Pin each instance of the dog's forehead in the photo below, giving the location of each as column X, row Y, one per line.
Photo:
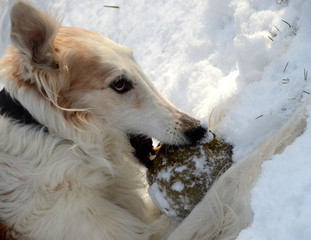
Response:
column 86, row 42
column 94, row 60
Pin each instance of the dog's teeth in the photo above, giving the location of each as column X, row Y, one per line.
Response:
column 152, row 157
column 156, row 149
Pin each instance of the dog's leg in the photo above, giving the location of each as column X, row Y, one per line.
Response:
column 226, row 209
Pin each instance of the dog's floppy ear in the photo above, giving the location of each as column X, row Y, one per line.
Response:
column 33, row 33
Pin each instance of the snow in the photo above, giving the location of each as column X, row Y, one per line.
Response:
column 164, row 174
column 161, row 200
column 199, row 161
column 250, row 56
column 283, row 200
column 178, row 186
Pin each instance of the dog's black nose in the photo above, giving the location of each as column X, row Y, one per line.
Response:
column 195, row 134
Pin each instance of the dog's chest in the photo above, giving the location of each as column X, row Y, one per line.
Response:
column 36, row 168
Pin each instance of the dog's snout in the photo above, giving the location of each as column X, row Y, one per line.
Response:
column 193, row 130
column 195, row 134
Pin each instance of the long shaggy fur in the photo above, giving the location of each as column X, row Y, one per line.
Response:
column 76, row 177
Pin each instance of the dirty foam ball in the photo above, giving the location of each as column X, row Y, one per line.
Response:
column 181, row 175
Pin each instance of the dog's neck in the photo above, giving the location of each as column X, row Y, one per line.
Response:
column 12, row 108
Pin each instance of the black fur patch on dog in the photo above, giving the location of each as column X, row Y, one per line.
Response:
column 13, row 109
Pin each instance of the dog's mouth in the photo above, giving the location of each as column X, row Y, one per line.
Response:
column 146, row 153
column 144, row 150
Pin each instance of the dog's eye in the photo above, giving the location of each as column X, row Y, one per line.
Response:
column 121, row 85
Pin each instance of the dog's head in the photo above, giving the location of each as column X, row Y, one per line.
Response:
column 81, row 71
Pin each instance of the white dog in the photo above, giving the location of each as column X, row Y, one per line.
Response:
column 71, row 100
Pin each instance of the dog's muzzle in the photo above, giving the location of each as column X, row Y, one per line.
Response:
column 195, row 134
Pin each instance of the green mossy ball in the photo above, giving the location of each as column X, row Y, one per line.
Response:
column 181, row 175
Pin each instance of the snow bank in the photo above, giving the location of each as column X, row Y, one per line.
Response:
column 246, row 60
column 281, row 198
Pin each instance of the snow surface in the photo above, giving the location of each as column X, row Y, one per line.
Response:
column 251, row 56
column 178, row 186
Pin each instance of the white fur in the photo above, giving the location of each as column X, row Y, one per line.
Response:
column 80, row 180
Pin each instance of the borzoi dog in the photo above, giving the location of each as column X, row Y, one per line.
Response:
column 71, row 99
